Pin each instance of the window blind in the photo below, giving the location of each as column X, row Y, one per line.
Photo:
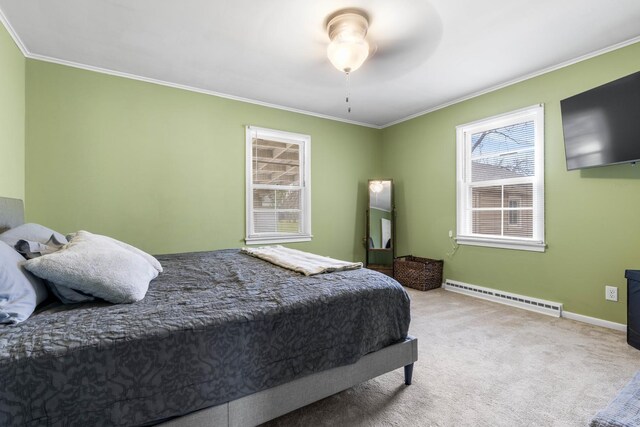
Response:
column 500, row 179
column 277, row 192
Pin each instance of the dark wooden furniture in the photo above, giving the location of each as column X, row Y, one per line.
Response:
column 382, row 268
column 633, row 307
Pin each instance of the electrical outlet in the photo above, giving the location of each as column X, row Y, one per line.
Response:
column 450, row 233
column 611, row 293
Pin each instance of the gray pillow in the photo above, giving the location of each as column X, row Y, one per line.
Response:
column 31, row 249
column 68, row 295
column 20, row 291
column 98, row 267
column 31, row 232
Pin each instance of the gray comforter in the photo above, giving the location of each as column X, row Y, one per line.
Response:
column 213, row 327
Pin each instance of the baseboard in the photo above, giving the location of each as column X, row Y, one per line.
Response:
column 549, row 308
column 594, row 321
column 495, row 295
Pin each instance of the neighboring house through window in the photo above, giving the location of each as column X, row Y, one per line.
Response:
column 500, row 181
column 514, row 212
column 278, row 186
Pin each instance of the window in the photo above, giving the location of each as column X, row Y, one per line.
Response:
column 500, row 181
column 278, row 186
column 514, row 213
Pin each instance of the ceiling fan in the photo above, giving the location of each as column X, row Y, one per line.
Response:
column 405, row 40
column 349, row 48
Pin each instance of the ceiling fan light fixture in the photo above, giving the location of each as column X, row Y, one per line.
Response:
column 376, row 186
column 348, row 48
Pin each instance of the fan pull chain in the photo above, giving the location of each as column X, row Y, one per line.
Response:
column 347, row 75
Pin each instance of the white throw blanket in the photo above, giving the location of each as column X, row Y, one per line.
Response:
column 302, row 262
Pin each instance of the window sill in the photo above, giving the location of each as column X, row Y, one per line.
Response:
column 269, row 240
column 517, row 244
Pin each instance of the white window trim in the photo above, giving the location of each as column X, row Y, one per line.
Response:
column 463, row 169
column 252, row 238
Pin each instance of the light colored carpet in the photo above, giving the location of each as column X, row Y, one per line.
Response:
column 486, row 364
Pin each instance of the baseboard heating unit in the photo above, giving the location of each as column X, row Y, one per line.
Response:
column 533, row 304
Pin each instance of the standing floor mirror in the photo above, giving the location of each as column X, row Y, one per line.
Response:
column 380, row 239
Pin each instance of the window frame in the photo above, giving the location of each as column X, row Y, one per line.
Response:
column 304, row 141
column 464, row 235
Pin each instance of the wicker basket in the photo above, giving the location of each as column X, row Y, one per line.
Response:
column 418, row 273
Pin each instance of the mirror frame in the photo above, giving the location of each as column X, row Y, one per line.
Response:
column 391, row 250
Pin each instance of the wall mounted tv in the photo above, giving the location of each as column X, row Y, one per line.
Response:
column 602, row 126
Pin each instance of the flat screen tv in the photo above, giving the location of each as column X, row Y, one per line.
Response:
column 602, row 126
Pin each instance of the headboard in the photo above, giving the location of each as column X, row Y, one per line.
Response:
column 11, row 213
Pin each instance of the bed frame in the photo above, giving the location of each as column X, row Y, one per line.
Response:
column 11, row 213
column 268, row 404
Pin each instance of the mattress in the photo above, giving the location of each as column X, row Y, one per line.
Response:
column 215, row 326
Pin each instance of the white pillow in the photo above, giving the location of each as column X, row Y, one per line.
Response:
column 150, row 259
column 96, row 266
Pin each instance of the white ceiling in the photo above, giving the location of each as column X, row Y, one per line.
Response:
column 429, row 53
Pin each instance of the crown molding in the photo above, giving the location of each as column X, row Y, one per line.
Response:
column 193, row 89
column 13, row 34
column 518, row 80
column 28, row 54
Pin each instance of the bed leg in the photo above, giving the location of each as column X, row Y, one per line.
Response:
column 408, row 373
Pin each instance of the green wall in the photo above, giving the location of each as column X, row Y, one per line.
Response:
column 164, row 169
column 12, row 113
column 592, row 216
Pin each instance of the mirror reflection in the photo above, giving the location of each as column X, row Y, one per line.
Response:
column 380, row 215
column 380, row 226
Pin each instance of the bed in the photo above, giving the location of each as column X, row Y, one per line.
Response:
column 221, row 338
